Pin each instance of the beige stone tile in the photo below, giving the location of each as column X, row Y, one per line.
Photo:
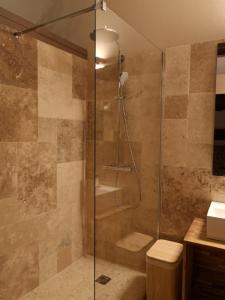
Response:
column 218, row 188
column 106, row 90
column 201, row 118
column 150, row 187
column 19, row 272
column 78, row 229
column 80, row 71
column 129, row 185
column 67, row 195
column 185, row 195
column 145, row 62
column 47, row 267
column 151, row 151
column 36, row 167
column 64, row 256
column 107, row 177
column 16, row 235
column 119, row 225
column 90, row 160
column 217, row 195
column 146, row 85
column 143, row 130
column 90, row 122
column 77, row 282
column 192, row 182
column 8, row 176
column 55, row 230
column 8, row 211
column 77, row 238
column 105, row 154
column 69, row 198
column 70, row 173
column 134, row 88
column 54, row 58
column 18, row 61
column 199, row 156
column 47, row 130
column 80, row 110
column 148, row 106
column 125, row 155
column 108, row 202
column 70, row 141
column 146, row 221
column 107, row 125
column 91, row 80
column 174, row 144
column 177, row 70
column 102, row 126
column 49, row 232
column 176, row 107
column 18, row 114
column 55, row 94
column 203, row 67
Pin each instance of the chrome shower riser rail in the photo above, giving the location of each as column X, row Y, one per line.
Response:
column 100, row 5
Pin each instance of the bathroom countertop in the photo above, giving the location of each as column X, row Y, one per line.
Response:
column 197, row 235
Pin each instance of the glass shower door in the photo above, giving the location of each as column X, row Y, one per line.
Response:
column 127, row 157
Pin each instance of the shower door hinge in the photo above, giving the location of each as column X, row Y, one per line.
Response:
column 102, row 5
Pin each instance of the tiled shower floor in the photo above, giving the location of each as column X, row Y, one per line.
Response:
column 76, row 283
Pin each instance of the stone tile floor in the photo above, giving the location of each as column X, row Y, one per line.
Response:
column 76, row 283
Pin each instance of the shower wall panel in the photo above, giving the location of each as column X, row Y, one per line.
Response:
column 188, row 186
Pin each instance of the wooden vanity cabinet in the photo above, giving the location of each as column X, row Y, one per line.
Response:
column 203, row 265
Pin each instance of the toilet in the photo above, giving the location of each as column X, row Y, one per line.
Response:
column 164, row 271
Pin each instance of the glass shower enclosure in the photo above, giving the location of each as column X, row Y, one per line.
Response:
column 127, row 156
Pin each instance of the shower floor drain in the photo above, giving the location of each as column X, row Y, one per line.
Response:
column 103, row 279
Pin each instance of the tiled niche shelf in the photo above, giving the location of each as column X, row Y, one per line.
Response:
column 106, row 189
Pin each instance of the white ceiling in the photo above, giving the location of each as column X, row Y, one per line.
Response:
column 165, row 22
column 130, row 40
column 174, row 22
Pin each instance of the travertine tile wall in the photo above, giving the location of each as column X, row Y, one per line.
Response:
column 144, row 124
column 187, row 143
column 42, row 111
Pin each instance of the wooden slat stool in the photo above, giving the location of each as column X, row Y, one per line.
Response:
column 164, row 271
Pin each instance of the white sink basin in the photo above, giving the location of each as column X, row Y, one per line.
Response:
column 216, row 221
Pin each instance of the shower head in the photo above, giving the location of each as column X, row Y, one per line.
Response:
column 123, row 78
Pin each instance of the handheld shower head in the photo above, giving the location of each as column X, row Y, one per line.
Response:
column 123, row 78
